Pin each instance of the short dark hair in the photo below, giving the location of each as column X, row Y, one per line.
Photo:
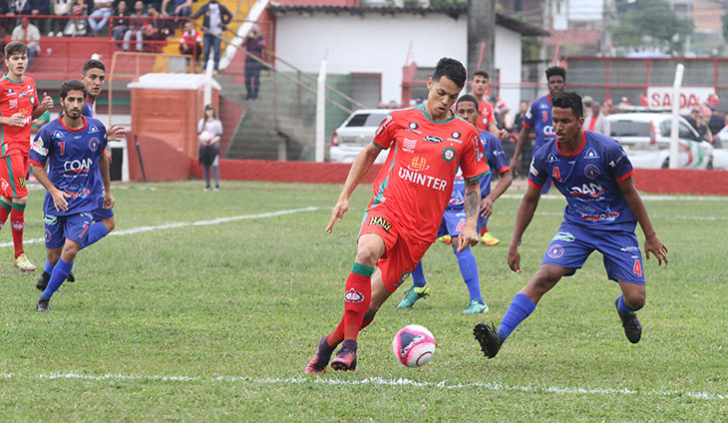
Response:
column 93, row 64
column 451, row 68
column 556, row 71
column 15, row 47
column 72, row 85
column 571, row 101
column 467, row 97
column 482, row 73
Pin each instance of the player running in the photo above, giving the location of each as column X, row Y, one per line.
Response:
column 19, row 105
column 538, row 118
column 603, row 207
column 454, row 218
column 410, row 195
column 93, row 76
column 73, row 146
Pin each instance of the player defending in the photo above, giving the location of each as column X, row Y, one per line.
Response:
column 538, row 118
column 73, row 146
column 93, row 76
column 454, row 217
column 19, row 105
column 603, row 206
column 410, row 195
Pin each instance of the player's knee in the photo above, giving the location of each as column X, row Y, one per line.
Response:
column 635, row 300
column 110, row 224
column 545, row 279
column 367, row 255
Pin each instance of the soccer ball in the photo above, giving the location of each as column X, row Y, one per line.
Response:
column 205, row 136
column 413, row 345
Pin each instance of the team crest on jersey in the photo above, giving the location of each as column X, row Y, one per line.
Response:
column 418, row 164
column 591, row 154
column 93, row 129
column 432, row 139
column 4, row 184
column 93, row 144
column 409, row 145
column 48, row 235
column 448, row 154
column 556, row 251
column 353, row 296
column 592, row 171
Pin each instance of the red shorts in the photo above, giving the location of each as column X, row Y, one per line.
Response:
column 13, row 170
column 403, row 251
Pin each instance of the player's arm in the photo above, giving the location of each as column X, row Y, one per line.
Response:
column 359, row 168
column 506, row 179
column 520, row 142
column 653, row 244
column 45, row 104
column 104, row 167
column 469, row 236
column 523, row 218
column 500, row 133
column 59, row 197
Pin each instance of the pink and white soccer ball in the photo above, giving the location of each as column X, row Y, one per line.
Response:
column 414, row 345
column 205, row 136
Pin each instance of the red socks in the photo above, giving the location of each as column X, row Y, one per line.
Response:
column 357, row 299
column 17, row 224
column 484, row 230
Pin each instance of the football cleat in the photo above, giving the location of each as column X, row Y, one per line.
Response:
column 24, row 264
column 71, row 277
column 43, row 281
column 488, row 339
column 447, row 239
column 631, row 324
column 321, row 359
column 43, row 305
column 346, row 358
column 413, row 294
column 475, row 307
column 489, row 239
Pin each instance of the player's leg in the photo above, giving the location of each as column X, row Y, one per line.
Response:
column 52, row 257
column 469, row 271
column 419, row 289
column 103, row 224
column 18, row 171
column 487, row 238
column 6, row 204
column 59, row 274
column 216, row 165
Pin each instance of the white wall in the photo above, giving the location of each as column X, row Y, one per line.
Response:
column 379, row 44
column 372, row 43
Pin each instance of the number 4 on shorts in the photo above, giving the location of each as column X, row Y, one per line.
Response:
column 637, row 269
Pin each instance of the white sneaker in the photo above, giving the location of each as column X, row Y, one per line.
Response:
column 50, row 34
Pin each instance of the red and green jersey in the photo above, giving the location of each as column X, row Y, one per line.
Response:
column 16, row 97
column 487, row 116
column 416, row 181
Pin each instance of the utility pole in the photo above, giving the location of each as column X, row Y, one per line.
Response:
column 481, row 28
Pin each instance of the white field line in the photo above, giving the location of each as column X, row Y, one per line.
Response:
column 375, row 381
column 217, row 221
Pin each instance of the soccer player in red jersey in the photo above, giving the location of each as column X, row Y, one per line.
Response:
column 410, row 195
column 19, row 105
column 487, row 120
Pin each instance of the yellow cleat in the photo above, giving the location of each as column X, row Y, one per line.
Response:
column 445, row 239
column 24, row 264
column 489, row 239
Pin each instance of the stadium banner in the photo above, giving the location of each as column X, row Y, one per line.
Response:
column 661, row 97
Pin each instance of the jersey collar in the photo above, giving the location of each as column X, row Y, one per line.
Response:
column 85, row 124
column 583, row 143
column 424, row 112
column 14, row 82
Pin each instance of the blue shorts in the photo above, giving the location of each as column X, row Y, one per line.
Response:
column 101, row 213
column 73, row 227
column 572, row 245
column 453, row 222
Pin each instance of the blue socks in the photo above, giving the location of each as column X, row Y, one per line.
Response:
column 520, row 309
column 60, row 273
column 469, row 270
column 418, row 276
column 48, row 267
column 95, row 233
column 622, row 307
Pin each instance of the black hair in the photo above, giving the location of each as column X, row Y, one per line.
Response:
column 571, row 101
column 15, row 47
column 73, row 85
column 556, row 71
column 93, row 64
column 467, row 97
column 451, row 68
column 482, row 73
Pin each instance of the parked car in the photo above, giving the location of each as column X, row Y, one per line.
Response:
column 645, row 138
column 355, row 133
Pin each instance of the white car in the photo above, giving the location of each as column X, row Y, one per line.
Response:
column 645, row 138
column 355, row 133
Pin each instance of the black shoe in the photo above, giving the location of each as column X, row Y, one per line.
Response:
column 630, row 323
column 43, row 281
column 43, row 305
column 488, row 339
column 71, row 277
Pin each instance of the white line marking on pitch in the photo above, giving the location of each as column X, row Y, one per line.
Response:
column 377, row 381
column 217, row 221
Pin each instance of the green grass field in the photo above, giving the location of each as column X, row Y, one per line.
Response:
column 215, row 321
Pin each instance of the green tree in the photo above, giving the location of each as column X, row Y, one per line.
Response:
column 650, row 23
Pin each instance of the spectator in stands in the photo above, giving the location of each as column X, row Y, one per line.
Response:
column 60, row 8
column 40, row 8
column 28, row 34
column 518, row 120
column 6, row 24
column 156, row 30
column 136, row 26
column 254, row 44
column 715, row 124
column 209, row 131
column 190, row 43
column 217, row 17
column 20, row 7
column 182, row 8
column 596, row 121
column 100, row 16
column 120, row 24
